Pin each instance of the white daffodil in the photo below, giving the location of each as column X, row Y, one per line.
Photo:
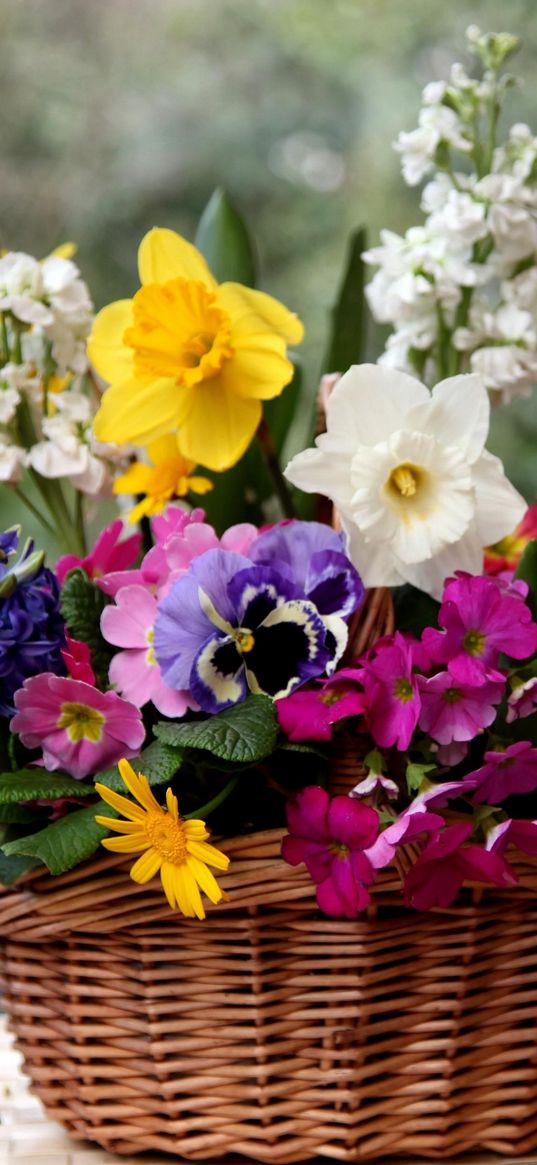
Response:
column 418, row 495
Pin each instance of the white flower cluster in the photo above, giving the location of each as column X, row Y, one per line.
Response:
column 46, row 315
column 461, row 291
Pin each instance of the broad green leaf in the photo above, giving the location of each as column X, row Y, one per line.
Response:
column 16, row 814
column 241, row 735
column 527, row 571
column 240, row 492
column 224, row 241
column 82, row 604
column 13, row 867
column 66, row 842
column 37, row 784
column 159, row 763
column 347, row 332
column 415, row 775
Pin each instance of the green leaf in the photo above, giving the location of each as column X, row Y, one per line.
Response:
column 415, row 775
column 16, row 814
column 347, row 332
column 82, row 604
column 240, row 492
column 37, row 784
column 527, row 571
column 13, row 867
column 159, row 763
column 414, row 610
column 241, row 735
column 66, row 842
column 223, row 240
column 280, row 411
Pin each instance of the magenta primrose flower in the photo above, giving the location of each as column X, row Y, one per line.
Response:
column 110, row 553
column 454, row 711
column 310, row 712
column 134, row 672
column 331, row 836
column 392, row 698
column 407, row 827
column 80, row 729
column 481, row 617
column 446, row 863
column 523, row 700
column 522, row 834
column 77, row 659
column 504, row 773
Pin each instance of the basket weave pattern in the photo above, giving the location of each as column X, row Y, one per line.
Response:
column 271, row 1031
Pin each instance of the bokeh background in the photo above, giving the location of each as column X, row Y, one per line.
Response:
column 118, row 115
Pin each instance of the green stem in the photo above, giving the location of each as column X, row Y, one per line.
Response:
column 33, row 509
column 281, row 488
column 79, row 522
column 205, row 810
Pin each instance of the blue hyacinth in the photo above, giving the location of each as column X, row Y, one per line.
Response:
column 32, row 631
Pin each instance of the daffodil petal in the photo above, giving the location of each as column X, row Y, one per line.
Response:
column 140, row 410
column 239, row 300
column 220, row 425
column 259, row 368
column 127, row 845
column 110, row 357
column 165, row 449
column 122, row 804
column 205, row 879
column 165, row 255
column 208, row 853
column 146, row 867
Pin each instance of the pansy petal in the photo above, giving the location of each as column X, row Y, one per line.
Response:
column 289, row 647
column 217, row 678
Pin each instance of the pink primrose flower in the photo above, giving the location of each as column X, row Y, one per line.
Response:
column 446, row 863
column 135, row 671
column 505, row 773
column 522, row 701
column 454, row 711
column 522, row 834
column 110, row 553
column 79, row 728
column 77, row 659
column 331, row 835
column 481, row 617
column 310, row 712
column 407, row 827
column 392, row 699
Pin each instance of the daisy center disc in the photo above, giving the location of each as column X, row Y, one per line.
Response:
column 167, row 837
column 178, row 331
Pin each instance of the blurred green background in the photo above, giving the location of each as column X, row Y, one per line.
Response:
column 118, row 115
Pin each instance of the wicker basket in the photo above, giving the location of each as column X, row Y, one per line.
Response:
column 271, row 1031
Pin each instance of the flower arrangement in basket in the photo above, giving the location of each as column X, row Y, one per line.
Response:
column 176, row 692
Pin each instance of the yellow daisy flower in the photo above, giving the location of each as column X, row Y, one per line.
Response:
column 170, row 476
column 190, row 356
column 167, row 843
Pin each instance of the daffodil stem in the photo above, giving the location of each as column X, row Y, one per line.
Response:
column 281, row 488
column 205, row 810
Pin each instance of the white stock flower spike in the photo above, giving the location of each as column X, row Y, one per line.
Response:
column 418, row 495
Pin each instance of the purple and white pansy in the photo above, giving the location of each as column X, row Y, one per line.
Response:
column 264, row 623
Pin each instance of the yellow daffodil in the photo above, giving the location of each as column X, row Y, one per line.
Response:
column 170, row 476
column 177, row 849
column 189, row 356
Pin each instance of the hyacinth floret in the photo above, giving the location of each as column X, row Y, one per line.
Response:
column 32, row 631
